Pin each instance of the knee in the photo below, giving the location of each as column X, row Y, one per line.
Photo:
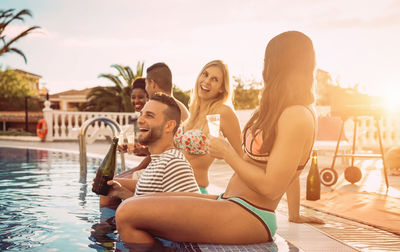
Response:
column 125, row 213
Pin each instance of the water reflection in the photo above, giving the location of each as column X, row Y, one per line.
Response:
column 39, row 204
column 82, row 194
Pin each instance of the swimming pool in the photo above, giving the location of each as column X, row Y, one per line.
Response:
column 44, row 207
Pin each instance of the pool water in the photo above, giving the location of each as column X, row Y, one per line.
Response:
column 44, row 207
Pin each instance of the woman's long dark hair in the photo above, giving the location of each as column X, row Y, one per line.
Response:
column 289, row 68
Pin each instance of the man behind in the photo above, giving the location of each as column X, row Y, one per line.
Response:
column 168, row 171
column 159, row 79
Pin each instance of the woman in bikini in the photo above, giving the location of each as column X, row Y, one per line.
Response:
column 211, row 95
column 281, row 131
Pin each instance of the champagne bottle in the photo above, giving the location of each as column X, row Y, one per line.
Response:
column 313, row 180
column 106, row 170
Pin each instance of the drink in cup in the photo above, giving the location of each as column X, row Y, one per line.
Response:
column 131, row 142
column 123, row 147
column 213, row 124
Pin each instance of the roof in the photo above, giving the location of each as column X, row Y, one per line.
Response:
column 27, row 73
column 72, row 92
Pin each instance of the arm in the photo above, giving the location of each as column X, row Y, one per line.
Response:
column 122, row 188
column 230, row 127
column 293, row 200
column 143, row 164
column 295, row 131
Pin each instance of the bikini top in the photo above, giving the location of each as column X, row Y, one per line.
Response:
column 252, row 146
column 192, row 141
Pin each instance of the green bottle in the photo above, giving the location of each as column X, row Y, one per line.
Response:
column 313, row 180
column 106, row 170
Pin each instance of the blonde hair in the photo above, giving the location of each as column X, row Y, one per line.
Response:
column 289, row 69
column 197, row 118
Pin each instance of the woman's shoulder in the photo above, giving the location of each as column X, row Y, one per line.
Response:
column 225, row 110
column 298, row 114
column 299, row 111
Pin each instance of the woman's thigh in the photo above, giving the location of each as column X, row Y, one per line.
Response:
column 181, row 194
column 191, row 219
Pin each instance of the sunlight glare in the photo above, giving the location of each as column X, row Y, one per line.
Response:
column 391, row 100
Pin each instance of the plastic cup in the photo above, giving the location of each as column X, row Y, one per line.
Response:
column 121, row 143
column 214, row 124
column 131, row 142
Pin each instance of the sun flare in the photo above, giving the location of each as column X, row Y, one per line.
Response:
column 391, row 100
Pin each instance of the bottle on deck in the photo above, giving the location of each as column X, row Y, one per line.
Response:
column 313, row 180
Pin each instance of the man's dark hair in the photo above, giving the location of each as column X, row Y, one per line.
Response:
column 173, row 111
column 160, row 74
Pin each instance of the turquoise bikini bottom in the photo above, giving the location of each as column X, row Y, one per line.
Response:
column 203, row 190
column 265, row 216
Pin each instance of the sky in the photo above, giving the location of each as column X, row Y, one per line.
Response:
column 357, row 42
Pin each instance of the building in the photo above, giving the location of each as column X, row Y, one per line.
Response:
column 69, row 100
column 34, row 80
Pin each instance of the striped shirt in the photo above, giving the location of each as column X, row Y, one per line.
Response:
column 167, row 172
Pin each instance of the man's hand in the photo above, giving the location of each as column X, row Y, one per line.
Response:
column 117, row 190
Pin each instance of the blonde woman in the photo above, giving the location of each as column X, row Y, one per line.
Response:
column 211, row 95
column 281, row 131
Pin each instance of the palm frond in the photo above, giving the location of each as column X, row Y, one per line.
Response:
column 17, row 16
column 19, row 52
column 114, row 79
column 6, row 17
column 23, row 34
column 139, row 69
column 131, row 76
column 122, row 72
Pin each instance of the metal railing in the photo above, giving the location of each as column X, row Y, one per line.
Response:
column 65, row 125
column 116, row 129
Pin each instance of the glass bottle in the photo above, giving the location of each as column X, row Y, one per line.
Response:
column 106, row 170
column 313, row 180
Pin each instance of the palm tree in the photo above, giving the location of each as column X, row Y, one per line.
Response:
column 114, row 98
column 6, row 17
column 102, row 99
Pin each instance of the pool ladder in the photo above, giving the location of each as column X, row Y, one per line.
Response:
column 115, row 127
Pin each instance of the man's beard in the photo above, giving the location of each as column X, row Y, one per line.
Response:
column 150, row 136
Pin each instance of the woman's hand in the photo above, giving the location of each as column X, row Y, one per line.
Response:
column 122, row 148
column 218, row 147
column 306, row 219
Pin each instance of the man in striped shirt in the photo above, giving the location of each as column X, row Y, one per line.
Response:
column 168, row 171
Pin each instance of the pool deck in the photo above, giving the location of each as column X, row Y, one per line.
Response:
column 304, row 236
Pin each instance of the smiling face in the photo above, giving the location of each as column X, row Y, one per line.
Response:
column 151, row 122
column 138, row 98
column 210, row 83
